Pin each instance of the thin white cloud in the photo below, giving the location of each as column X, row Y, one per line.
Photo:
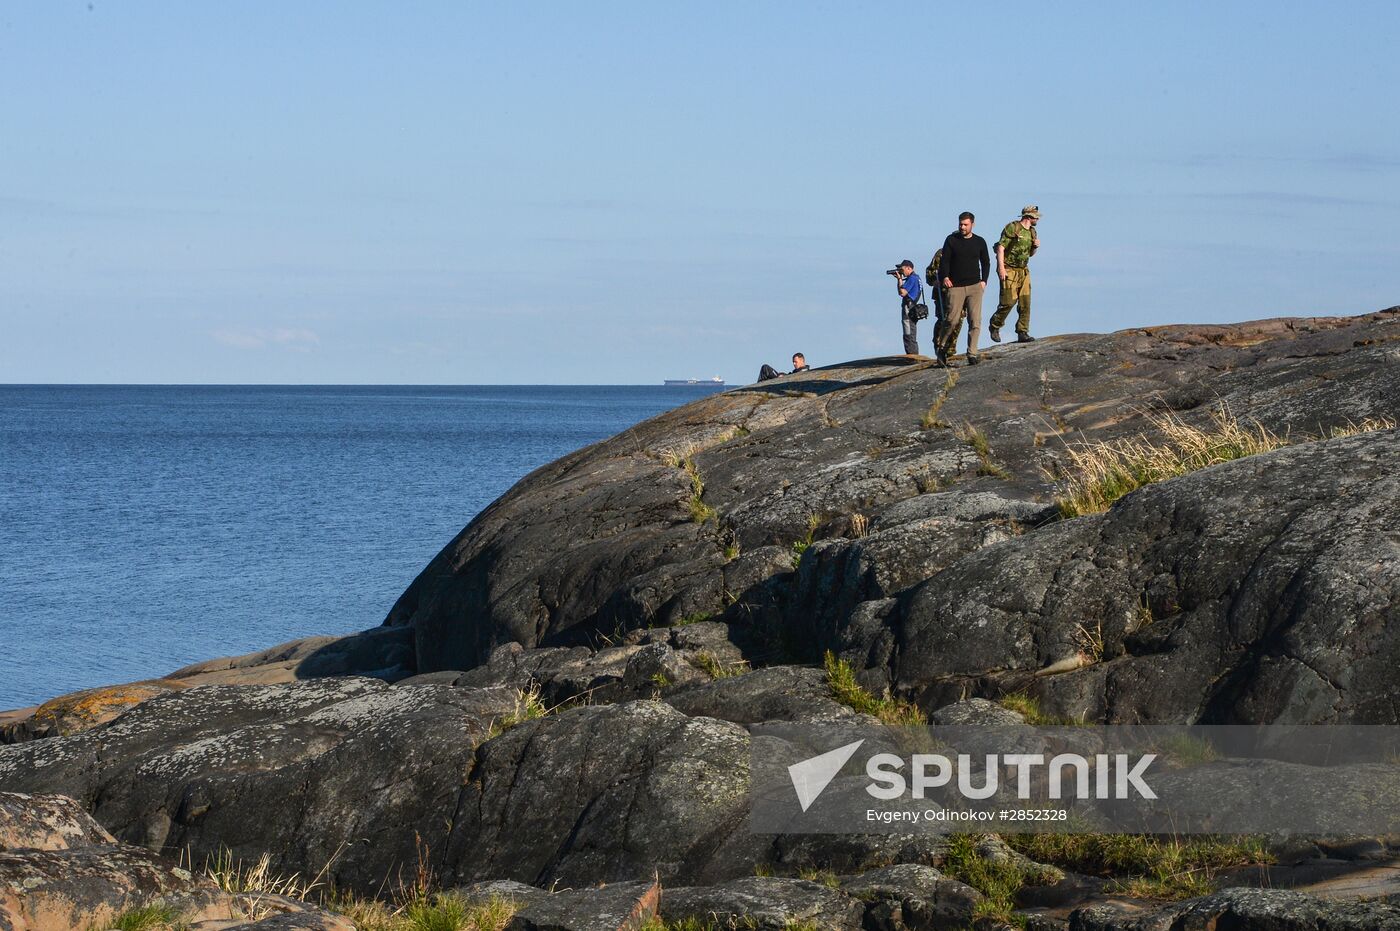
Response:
column 295, row 338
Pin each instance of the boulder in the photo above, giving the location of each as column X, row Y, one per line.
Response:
column 80, row 711
column 808, row 515
column 912, row 897
column 346, row 775
column 763, row 902
column 1262, row 909
column 602, row 794
column 774, row 693
column 59, row 871
column 46, row 822
column 624, row 906
column 1262, row 590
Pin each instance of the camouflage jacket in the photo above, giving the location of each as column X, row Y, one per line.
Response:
column 1016, row 244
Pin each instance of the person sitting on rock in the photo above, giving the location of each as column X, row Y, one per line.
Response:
column 799, row 364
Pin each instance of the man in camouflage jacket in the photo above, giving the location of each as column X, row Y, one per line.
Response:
column 1019, row 241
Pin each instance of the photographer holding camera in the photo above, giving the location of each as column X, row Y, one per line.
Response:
column 909, row 306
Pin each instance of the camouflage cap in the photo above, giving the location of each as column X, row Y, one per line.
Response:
column 1031, row 210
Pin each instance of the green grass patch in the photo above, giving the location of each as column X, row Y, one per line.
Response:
column 1000, row 880
column 930, row 420
column 422, row 912
column 826, row 878
column 977, row 442
column 841, row 679
column 528, row 707
column 1185, row 750
column 710, row 664
column 700, row 512
column 1142, row 865
column 157, row 916
column 1029, row 708
column 801, row 546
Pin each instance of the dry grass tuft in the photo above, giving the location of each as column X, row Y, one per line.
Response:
column 1104, row 472
column 528, row 706
column 1369, row 425
column 711, row 665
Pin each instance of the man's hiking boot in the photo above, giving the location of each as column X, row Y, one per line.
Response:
column 995, row 333
column 941, row 355
column 973, row 359
column 1024, row 338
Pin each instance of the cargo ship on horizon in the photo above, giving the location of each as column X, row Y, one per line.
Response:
column 694, row 381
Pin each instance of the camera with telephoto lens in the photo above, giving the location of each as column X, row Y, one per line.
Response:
column 894, row 271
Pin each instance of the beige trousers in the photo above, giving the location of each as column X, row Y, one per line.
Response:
column 964, row 302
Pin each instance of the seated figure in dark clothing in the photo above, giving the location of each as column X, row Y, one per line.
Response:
column 799, row 364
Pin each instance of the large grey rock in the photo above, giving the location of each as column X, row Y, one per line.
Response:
column 912, row 897
column 602, row 794
column 766, row 903
column 873, row 463
column 1257, row 909
column 342, row 772
column 69, row 888
column 46, row 822
column 614, row 907
column 1273, row 584
column 59, row 871
column 776, row 693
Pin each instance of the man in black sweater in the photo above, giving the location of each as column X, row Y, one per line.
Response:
column 965, row 267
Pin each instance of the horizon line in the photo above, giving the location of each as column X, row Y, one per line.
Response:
column 367, row 384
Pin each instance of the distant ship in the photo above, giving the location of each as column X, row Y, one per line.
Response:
column 695, row 381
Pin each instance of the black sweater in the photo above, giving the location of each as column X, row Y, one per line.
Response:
column 961, row 258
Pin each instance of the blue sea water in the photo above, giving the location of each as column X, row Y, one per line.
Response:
column 145, row 528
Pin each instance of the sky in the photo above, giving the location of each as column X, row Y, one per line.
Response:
column 617, row 193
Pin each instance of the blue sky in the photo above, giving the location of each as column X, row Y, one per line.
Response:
column 619, row 193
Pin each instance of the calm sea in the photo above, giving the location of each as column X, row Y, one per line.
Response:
column 145, row 528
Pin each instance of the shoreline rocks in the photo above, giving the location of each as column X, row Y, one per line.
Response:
column 563, row 698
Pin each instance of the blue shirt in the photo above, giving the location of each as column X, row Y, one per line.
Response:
column 911, row 285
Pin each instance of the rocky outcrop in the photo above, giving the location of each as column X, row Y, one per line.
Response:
column 1265, row 909
column 60, row 871
column 905, row 898
column 921, row 505
column 383, row 653
column 336, row 771
column 46, row 822
column 564, row 697
column 1261, row 590
column 79, row 711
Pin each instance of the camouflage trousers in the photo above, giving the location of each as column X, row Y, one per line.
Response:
column 1015, row 290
